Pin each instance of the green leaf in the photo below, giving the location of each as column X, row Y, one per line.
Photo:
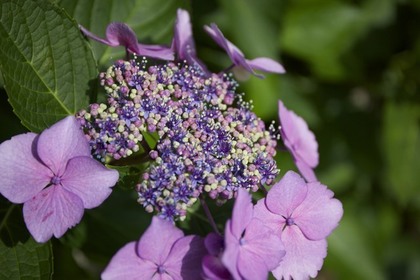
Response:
column 47, row 66
column 401, row 143
column 152, row 21
column 20, row 256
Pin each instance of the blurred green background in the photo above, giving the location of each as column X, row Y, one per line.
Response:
column 352, row 73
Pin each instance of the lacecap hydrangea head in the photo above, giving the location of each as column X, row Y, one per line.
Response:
column 209, row 143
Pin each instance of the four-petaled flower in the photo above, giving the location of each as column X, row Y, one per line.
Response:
column 303, row 214
column 300, row 141
column 237, row 57
column 252, row 249
column 55, row 177
column 120, row 34
column 163, row 252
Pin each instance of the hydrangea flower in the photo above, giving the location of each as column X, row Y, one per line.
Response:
column 213, row 268
column 303, row 214
column 252, row 249
column 183, row 42
column 300, row 141
column 237, row 57
column 55, row 177
column 120, row 34
column 163, row 252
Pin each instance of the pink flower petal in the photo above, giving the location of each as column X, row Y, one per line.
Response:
column 230, row 254
column 214, row 243
column 297, row 137
column 125, row 264
column 89, row 180
column 251, row 266
column 22, row 174
column 261, row 240
column 52, row 212
column 275, row 222
column 319, row 213
column 303, row 259
column 61, row 142
column 266, row 64
column 183, row 39
column 214, row 269
column 157, row 241
column 184, row 260
column 242, row 213
column 120, row 34
column 287, row 194
column 306, row 171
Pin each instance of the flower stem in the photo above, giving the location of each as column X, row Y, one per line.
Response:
column 209, row 216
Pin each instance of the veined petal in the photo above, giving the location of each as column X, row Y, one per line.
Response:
column 157, row 241
column 120, row 34
column 251, row 266
column 303, row 259
column 61, row 142
column 184, row 260
column 297, row 137
column 52, row 212
column 261, row 241
column 267, row 65
column 125, row 264
column 242, row 213
column 275, row 222
column 231, row 252
column 22, row 175
column 319, row 213
column 287, row 194
column 89, row 180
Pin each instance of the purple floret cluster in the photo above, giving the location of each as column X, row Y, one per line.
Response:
column 206, row 144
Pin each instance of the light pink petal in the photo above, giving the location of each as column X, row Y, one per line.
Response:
column 61, row 142
column 120, row 34
column 319, row 213
column 155, row 51
column 157, row 241
column 52, row 212
column 242, row 213
column 183, row 39
column 125, row 264
column 184, row 260
column 251, row 266
column 261, row 241
column 214, row 269
column 275, row 222
column 231, row 252
column 287, row 194
column 266, row 64
column 297, row 137
column 303, row 259
column 89, row 180
column 22, row 175
column 306, row 171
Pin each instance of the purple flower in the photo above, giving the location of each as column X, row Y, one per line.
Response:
column 120, row 34
column 300, row 141
column 55, row 177
column 237, row 57
column 213, row 267
column 251, row 248
column 183, row 42
column 163, row 252
column 303, row 215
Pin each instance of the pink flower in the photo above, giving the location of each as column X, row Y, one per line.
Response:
column 55, row 177
column 303, row 214
column 120, row 34
column 163, row 252
column 252, row 249
column 237, row 57
column 300, row 141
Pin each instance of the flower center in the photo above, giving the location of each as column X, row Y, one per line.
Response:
column 290, row 222
column 242, row 241
column 55, row 180
column 161, row 269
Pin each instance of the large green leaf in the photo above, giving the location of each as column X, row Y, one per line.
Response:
column 151, row 20
column 20, row 256
column 47, row 66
